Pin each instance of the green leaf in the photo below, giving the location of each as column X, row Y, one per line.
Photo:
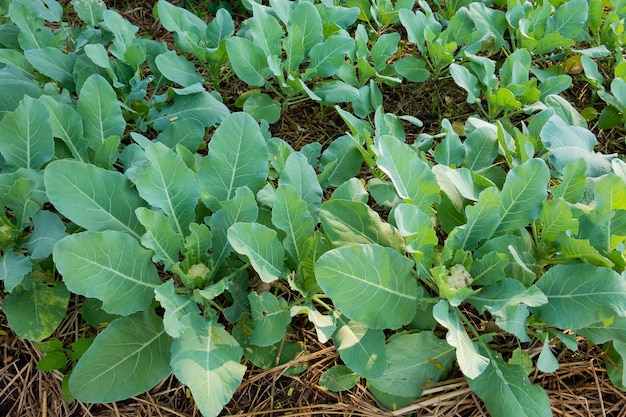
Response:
column 481, row 148
column 109, row 266
column 467, row 81
column 179, row 309
column 262, row 107
column 48, row 229
column 523, row 192
column 450, row 150
column 570, row 143
column 609, row 193
column 220, row 28
column 127, row 358
column 101, row 112
column 294, row 49
column 35, row 309
column 89, row 11
column 326, row 57
column 67, row 125
column 185, row 132
column 291, row 215
column 53, row 63
column 300, row 175
column 13, row 268
column 165, row 182
column 489, row 268
column 306, row 18
column 26, row 137
column 546, row 362
column 490, row 25
column 508, row 301
column 339, row 378
column 340, row 162
column 261, row 245
column 416, row 227
column 206, row 358
column 351, row 274
column 556, row 216
column 237, row 157
column 361, row 348
column 507, row 392
column 160, row 236
column 248, row 61
column 471, row 362
column 335, row 91
column 93, row 198
column 265, row 31
column 241, row 208
column 569, row 19
column 271, row 318
column 572, row 186
column 123, row 32
column 572, row 248
column 412, row 177
column 580, row 295
column 177, row 69
column 201, row 106
column 482, row 219
column 352, row 222
column 189, row 28
column 414, row 360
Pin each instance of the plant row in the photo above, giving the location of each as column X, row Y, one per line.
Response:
column 195, row 237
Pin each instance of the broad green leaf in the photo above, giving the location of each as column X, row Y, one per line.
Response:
column 416, row 227
column 326, row 57
column 237, row 157
column 572, row 186
column 35, row 309
column 291, row 215
column 123, row 32
column 166, row 183
column 339, row 378
column 340, row 162
column 602, row 331
column 189, row 28
column 179, row 309
column 335, row 91
column 351, row 274
column 261, row 245
column 605, row 231
column 467, row 81
column 185, row 132
column 19, row 199
column 508, row 301
column 201, row 106
column 262, row 107
column 101, row 112
column 177, row 69
column 450, row 150
column 572, row 248
column 610, row 193
column 13, row 268
column 412, row 177
column 481, row 148
column 271, row 318
column 294, row 49
column 109, row 266
column 471, row 362
column 569, row 19
column 26, row 137
column 241, row 208
column 556, row 216
column 33, row 33
column 352, row 222
column 361, row 348
column 248, row 61
column 89, row 11
column 206, row 359
column 523, row 192
column 198, row 243
column 160, row 236
column 306, row 18
column 265, row 31
column 93, row 198
column 127, row 358
column 302, row 177
column 507, row 392
column 482, row 219
column 490, row 25
column 489, row 268
column 546, row 362
column 220, row 28
column 580, row 295
column 414, row 360
column 570, row 143
column 53, row 63
column 48, row 229
column 458, row 184
column 67, row 125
